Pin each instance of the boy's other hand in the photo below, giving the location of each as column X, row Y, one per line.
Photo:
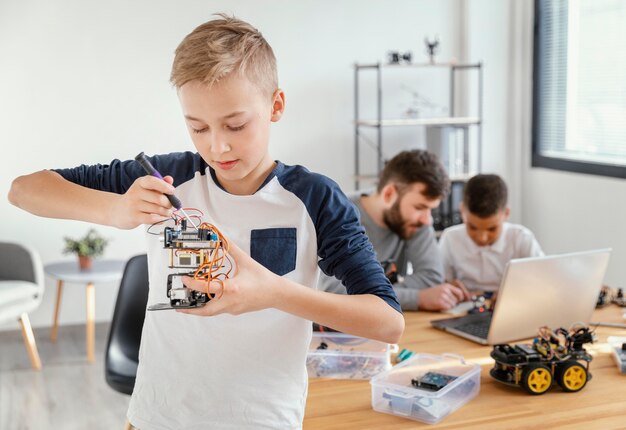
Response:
column 442, row 297
column 466, row 294
column 250, row 289
column 144, row 203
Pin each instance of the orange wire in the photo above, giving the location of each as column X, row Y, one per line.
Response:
column 215, row 262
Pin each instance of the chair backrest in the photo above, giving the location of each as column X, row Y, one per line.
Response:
column 122, row 353
column 20, row 263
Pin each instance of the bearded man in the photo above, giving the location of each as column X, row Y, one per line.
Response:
column 398, row 221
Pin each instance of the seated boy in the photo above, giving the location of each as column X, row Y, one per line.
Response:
column 243, row 366
column 475, row 253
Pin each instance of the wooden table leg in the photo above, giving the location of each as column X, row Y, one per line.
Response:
column 91, row 328
column 57, row 306
column 29, row 341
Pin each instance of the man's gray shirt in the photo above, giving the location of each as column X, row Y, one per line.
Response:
column 420, row 252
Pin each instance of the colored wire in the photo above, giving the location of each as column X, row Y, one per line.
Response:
column 180, row 217
column 157, row 223
column 211, row 269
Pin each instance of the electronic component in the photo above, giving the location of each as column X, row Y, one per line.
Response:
column 604, row 297
column 607, row 297
column 432, row 381
column 200, row 253
column 404, row 354
column 479, row 305
column 423, row 408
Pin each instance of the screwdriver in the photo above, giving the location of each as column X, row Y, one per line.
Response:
column 150, row 170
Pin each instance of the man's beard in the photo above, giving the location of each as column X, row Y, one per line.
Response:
column 394, row 222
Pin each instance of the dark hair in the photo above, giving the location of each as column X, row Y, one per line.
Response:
column 485, row 195
column 410, row 167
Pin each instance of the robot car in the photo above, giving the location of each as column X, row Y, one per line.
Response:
column 554, row 355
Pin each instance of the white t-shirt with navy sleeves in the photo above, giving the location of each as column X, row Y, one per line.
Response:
column 246, row 371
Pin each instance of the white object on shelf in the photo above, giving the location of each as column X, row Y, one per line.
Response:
column 443, row 121
column 394, row 393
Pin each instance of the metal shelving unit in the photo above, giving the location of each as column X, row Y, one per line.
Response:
column 457, row 122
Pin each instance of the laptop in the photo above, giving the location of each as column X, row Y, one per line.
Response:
column 554, row 291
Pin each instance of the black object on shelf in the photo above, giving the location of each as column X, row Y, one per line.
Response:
column 448, row 213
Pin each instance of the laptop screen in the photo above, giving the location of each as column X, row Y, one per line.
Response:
column 554, row 291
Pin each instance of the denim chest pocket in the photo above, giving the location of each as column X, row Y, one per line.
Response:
column 275, row 249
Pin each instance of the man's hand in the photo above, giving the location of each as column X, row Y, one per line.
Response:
column 250, row 289
column 143, row 203
column 442, row 297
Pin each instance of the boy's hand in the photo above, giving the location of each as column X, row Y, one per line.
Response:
column 250, row 289
column 442, row 297
column 143, row 203
column 466, row 294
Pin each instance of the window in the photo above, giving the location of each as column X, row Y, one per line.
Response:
column 579, row 86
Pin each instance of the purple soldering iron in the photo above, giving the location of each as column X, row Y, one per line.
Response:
column 150, row 170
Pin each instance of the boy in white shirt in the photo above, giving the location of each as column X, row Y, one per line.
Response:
column 239, row 362
column 475, row 253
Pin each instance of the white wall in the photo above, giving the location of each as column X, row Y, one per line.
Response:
column 488, row 39
column 86, row 82
column 574, row 212
column 566, row 211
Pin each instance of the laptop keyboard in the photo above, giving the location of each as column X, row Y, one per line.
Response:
column 478, row 328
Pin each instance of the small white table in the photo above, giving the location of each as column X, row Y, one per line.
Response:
column 101, row 271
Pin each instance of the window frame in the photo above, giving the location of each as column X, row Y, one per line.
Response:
column 556, row 163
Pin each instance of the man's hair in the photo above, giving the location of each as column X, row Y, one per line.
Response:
column 485, row 195
column 220, row 47
column 416, row 166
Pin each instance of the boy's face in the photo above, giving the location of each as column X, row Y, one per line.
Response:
column 484, row 231
column 409, row 212
column 229, row 124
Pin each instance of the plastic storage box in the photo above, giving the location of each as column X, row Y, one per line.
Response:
column 426, row 387
column 619, row 354
column 343, row 356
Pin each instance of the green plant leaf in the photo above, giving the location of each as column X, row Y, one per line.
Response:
column 91, row 245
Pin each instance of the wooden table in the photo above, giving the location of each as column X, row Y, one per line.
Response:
column 346, row 404
column 70, row 272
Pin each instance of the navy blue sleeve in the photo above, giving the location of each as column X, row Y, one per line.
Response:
column 343, row 247
column 118, row 176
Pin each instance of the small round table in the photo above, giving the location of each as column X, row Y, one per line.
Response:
column 101, row 271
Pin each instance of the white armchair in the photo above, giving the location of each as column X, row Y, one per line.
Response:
column 21, row 291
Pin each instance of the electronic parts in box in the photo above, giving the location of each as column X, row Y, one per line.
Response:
column 343, row 356
column 426, row 387
column 618, row 349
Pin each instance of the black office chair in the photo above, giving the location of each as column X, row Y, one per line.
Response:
column 122, row 353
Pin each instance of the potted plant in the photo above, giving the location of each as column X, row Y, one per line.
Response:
column 90, row 246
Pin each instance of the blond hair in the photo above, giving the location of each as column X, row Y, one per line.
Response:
column 220, row 47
